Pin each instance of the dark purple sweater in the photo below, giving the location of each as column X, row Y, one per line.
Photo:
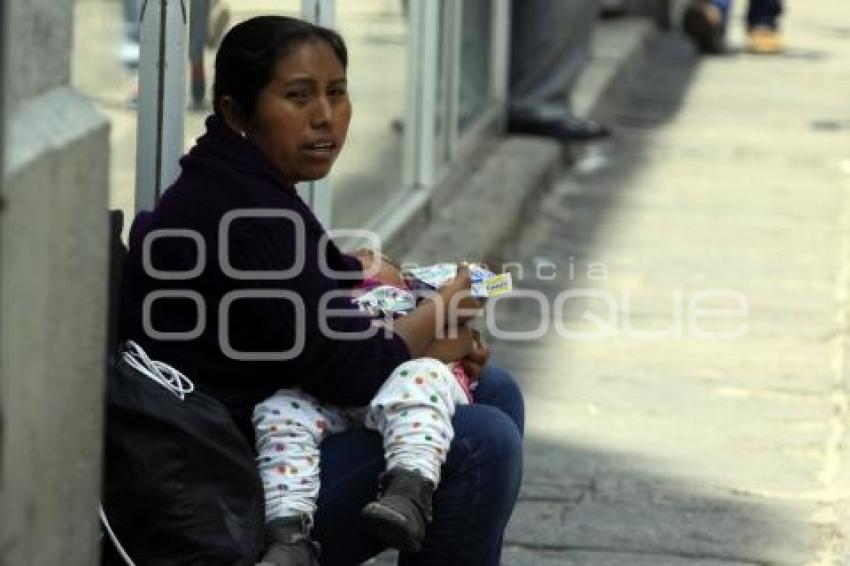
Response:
column 222, row 173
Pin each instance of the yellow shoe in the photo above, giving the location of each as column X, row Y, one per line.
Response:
column 764, row 41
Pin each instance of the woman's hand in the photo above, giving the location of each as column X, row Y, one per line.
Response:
column 456, row 300
column 450, row 307
column 476, row 359
column 452, row 349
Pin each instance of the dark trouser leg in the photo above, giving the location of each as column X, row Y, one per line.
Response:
column 550, row 44
column 764, row 13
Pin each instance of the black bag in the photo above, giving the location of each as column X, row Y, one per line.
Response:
column 180, row 482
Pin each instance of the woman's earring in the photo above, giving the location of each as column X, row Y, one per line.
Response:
column 243, row 134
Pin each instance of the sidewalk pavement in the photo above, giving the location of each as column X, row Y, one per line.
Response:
column 728, row 173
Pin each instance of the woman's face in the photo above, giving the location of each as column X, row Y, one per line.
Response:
column 302, row 115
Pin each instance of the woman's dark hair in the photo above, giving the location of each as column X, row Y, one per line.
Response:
column 250, row 50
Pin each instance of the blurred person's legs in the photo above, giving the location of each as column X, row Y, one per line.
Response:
column 705, row 21
column 475, row 49
column 218, row 20
column 129, row 53
column 550, row 44
column 199, row 13
column 130, row 44
column 763, row 26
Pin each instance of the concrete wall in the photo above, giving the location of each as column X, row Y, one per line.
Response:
column 53, row 271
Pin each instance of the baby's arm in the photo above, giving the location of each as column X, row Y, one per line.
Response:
column 380, row 267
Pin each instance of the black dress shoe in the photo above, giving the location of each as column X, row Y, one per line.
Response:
column 566, row 130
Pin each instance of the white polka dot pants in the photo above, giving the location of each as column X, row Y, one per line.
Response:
column 412, row 410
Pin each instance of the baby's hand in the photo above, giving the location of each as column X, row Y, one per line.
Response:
column 476, row 359
column 380, row 267
column 366, row 258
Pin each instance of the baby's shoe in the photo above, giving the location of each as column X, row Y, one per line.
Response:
column 402, row 511
column 288, row 543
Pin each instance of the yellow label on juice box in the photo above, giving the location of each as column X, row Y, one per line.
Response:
column 498, row 284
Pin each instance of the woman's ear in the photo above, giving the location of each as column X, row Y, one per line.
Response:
column 232, row 114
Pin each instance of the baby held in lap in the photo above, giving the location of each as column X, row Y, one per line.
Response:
column 412, row 411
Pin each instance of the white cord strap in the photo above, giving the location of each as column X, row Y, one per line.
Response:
column 160, row 372
column 166, row 376
column 114, row 539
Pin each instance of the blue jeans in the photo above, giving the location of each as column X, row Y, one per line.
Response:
column 473, row 503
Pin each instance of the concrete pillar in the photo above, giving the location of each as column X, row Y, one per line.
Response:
column 53, row 289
